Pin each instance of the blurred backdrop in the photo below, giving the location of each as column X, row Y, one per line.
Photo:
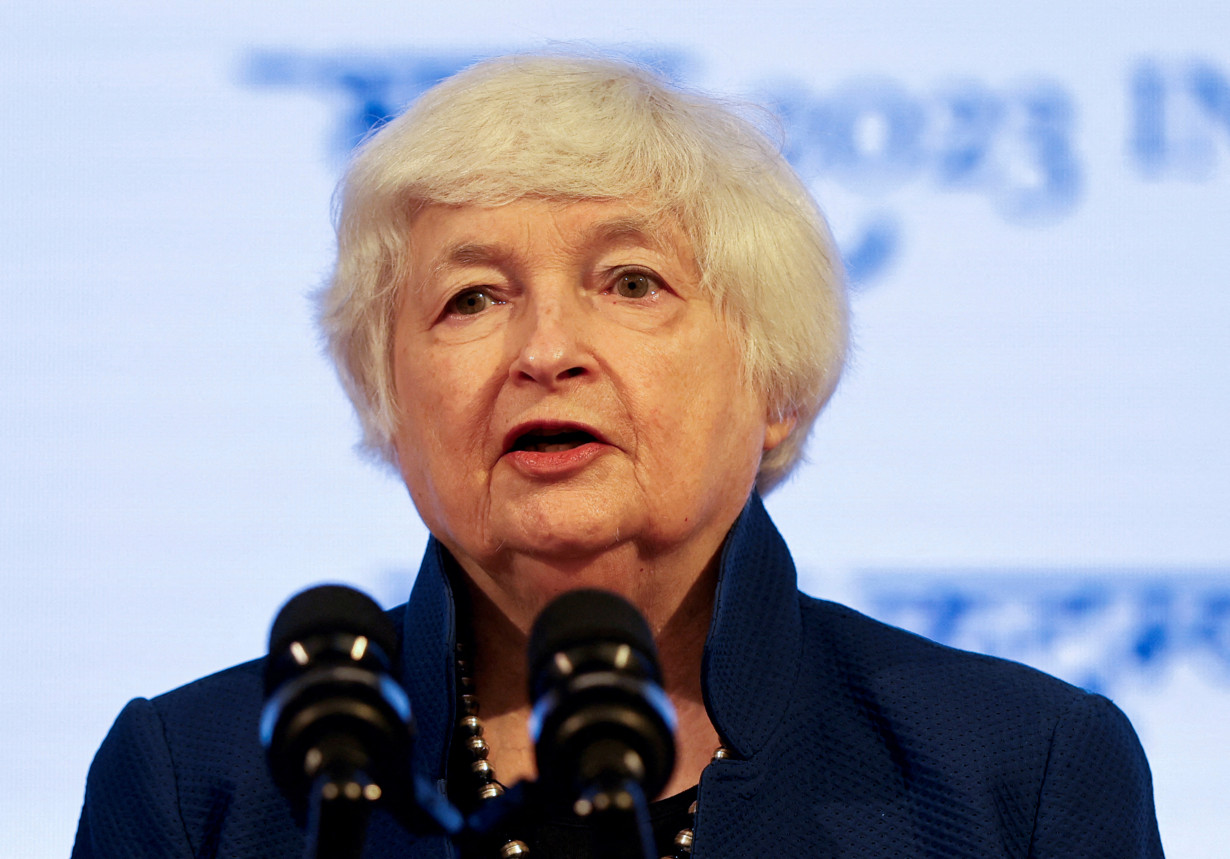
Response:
column 1029, row 455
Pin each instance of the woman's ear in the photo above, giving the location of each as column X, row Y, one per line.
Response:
column 777, row 428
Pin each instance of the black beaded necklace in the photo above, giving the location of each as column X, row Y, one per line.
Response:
column 469, row 736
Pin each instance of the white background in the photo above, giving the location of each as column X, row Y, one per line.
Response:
column 1036, row 404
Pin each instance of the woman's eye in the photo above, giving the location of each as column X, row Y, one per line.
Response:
column 635, row 285
column 470, row 302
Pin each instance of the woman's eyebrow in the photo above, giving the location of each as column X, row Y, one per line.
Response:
column 466, row 253
column 471, row 253
column 629, row 230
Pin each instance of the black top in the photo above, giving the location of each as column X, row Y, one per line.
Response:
column 571, row 837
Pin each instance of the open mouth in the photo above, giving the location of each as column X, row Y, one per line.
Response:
column 552, row 441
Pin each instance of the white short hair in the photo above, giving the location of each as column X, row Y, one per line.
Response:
column 573, row 128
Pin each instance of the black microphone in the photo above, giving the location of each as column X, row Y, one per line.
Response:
column 602, row 726
column 336, row 726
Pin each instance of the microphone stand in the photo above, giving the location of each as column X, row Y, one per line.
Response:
column 342, row 796
column 339, row 804
column 619, row 819
column 615, row 808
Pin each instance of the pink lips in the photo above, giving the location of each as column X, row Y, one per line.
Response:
column 552, row 462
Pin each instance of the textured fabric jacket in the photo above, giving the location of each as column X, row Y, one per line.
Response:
column 851, row 739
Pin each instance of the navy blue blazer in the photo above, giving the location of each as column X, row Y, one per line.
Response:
column 850, row 739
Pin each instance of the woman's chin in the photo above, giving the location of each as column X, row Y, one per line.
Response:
column 567, row 544
column 569, row 525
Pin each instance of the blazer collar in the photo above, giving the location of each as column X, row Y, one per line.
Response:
column 428, row 663
column 753, row 651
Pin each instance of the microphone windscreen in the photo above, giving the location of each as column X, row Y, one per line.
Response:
column 329, row 609
column 583, row 617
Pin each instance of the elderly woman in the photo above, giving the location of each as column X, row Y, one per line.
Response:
column 589, row 318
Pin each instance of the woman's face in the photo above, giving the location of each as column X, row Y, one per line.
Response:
column 565, row 389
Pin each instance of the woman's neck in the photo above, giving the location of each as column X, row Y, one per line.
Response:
column 680, row 630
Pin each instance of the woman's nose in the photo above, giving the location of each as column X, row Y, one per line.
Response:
column 552, row 342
